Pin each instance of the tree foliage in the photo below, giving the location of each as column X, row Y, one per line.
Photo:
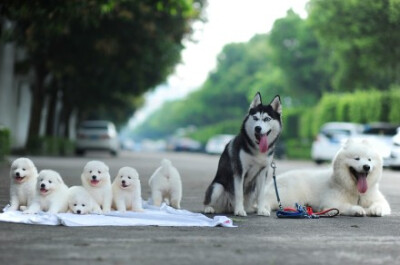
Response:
column 101, row 55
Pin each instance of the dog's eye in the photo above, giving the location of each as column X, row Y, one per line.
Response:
column 75, row 204
column 122, row 176
column 90, row 172
column 357, row 158
column 99, row 172
column 49, row 181
column 83, row 205
column 255, row 118
column 129, row 177
column 267, row 119
column 369, row 159
column 23, row 169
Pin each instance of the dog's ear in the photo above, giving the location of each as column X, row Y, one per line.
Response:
column 276, row 104
column 59, row 179
column 256, row 101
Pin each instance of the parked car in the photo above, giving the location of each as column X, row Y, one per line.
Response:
column 217, row 143
column 97, row 135
column 180, row 144
column 380, row 135
column 331, row 137
column 394, row 161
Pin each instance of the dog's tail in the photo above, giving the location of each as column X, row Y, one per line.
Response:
column 165, row 166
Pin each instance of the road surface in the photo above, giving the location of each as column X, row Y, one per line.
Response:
column 256, row 240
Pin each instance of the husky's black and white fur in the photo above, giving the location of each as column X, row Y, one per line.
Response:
column 243, row 166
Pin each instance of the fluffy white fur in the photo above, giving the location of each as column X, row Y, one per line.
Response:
column 97, row 181
column 51, row 194
column 80, row 201
column 351, row 185
column 23, row 177
column 127, row 191
column 165, row 184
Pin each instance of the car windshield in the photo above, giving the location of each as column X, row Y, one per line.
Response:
column 336, row 132
column 389, row 131
column 94, row 127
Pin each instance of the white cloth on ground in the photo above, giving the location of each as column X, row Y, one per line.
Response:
column 152, row 216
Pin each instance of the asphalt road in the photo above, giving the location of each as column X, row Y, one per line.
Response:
column 256, row 240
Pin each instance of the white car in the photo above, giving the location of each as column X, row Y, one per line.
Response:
column 97, row 135
column 394, row 161
column 217, row 143
column 331, row 137
column 380, row 136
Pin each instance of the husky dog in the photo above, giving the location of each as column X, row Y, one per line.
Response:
column 243, row 166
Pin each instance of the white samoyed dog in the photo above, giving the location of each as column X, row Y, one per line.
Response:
column 165, row 184
column 51, row 194
column 127, row 194
column 351, row 185
column 80, row 201
column 97, row 181
column 23, row 177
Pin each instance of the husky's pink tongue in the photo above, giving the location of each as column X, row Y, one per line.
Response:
column 263, row 145
column 362, row 184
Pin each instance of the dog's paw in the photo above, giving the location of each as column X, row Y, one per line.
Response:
column 375, row 210
column 240, row 212
column 263, row 212
column 209, row 209
column 357, row 211
column 29, row 211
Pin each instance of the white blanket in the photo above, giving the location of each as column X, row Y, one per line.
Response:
column 152, row 215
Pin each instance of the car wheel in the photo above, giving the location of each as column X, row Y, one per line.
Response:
column 113, row 153
column 319, row 161
column 79, row 152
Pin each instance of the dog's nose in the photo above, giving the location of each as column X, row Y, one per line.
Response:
column 78, row 212
column 366, row 167
column 42, row 185
column 94, row 177
column 123, row 182
column 17, row 174
column 257, row 129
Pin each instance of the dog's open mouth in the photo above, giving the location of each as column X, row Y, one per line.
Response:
column 43, row 190
column 361, row 178
column 19, row 178
column 262, row 141
column 94, row 182
column 124, row 185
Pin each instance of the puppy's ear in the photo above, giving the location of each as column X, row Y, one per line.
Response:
column 256, row 101
column 349, row 142
column 59, row 179
column 276, row 104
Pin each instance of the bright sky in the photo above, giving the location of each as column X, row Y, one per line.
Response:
column 228, row 21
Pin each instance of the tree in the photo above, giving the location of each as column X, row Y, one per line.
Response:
column 298, row 54
column 102, row 55
column 363, row 39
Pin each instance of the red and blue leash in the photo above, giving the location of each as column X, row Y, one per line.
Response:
column 300, row 211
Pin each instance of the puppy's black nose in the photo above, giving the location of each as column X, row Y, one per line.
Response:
column 94, row 177
column 257, row 129
column 366, row 167
column 42, row 185
column 17, row 174
column 78, row 212
column 123, row 182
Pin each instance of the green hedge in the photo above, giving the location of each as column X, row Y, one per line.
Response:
column 52, row 146
column 5, row 142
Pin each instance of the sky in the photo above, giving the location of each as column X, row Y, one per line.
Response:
column 228, row 21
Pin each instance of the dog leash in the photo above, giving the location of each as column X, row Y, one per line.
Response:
column 300, row 211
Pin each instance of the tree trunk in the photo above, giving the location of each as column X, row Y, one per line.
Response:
column 37, row 104
column 51, row 112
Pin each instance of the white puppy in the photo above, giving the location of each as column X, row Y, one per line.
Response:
column 352, row 185
column 97, row 181
column 127, row 191
column 23, row 175
column 51, row 194
column 80, row 201
column 165, row 183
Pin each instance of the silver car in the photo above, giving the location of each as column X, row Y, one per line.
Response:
column 97, row 135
